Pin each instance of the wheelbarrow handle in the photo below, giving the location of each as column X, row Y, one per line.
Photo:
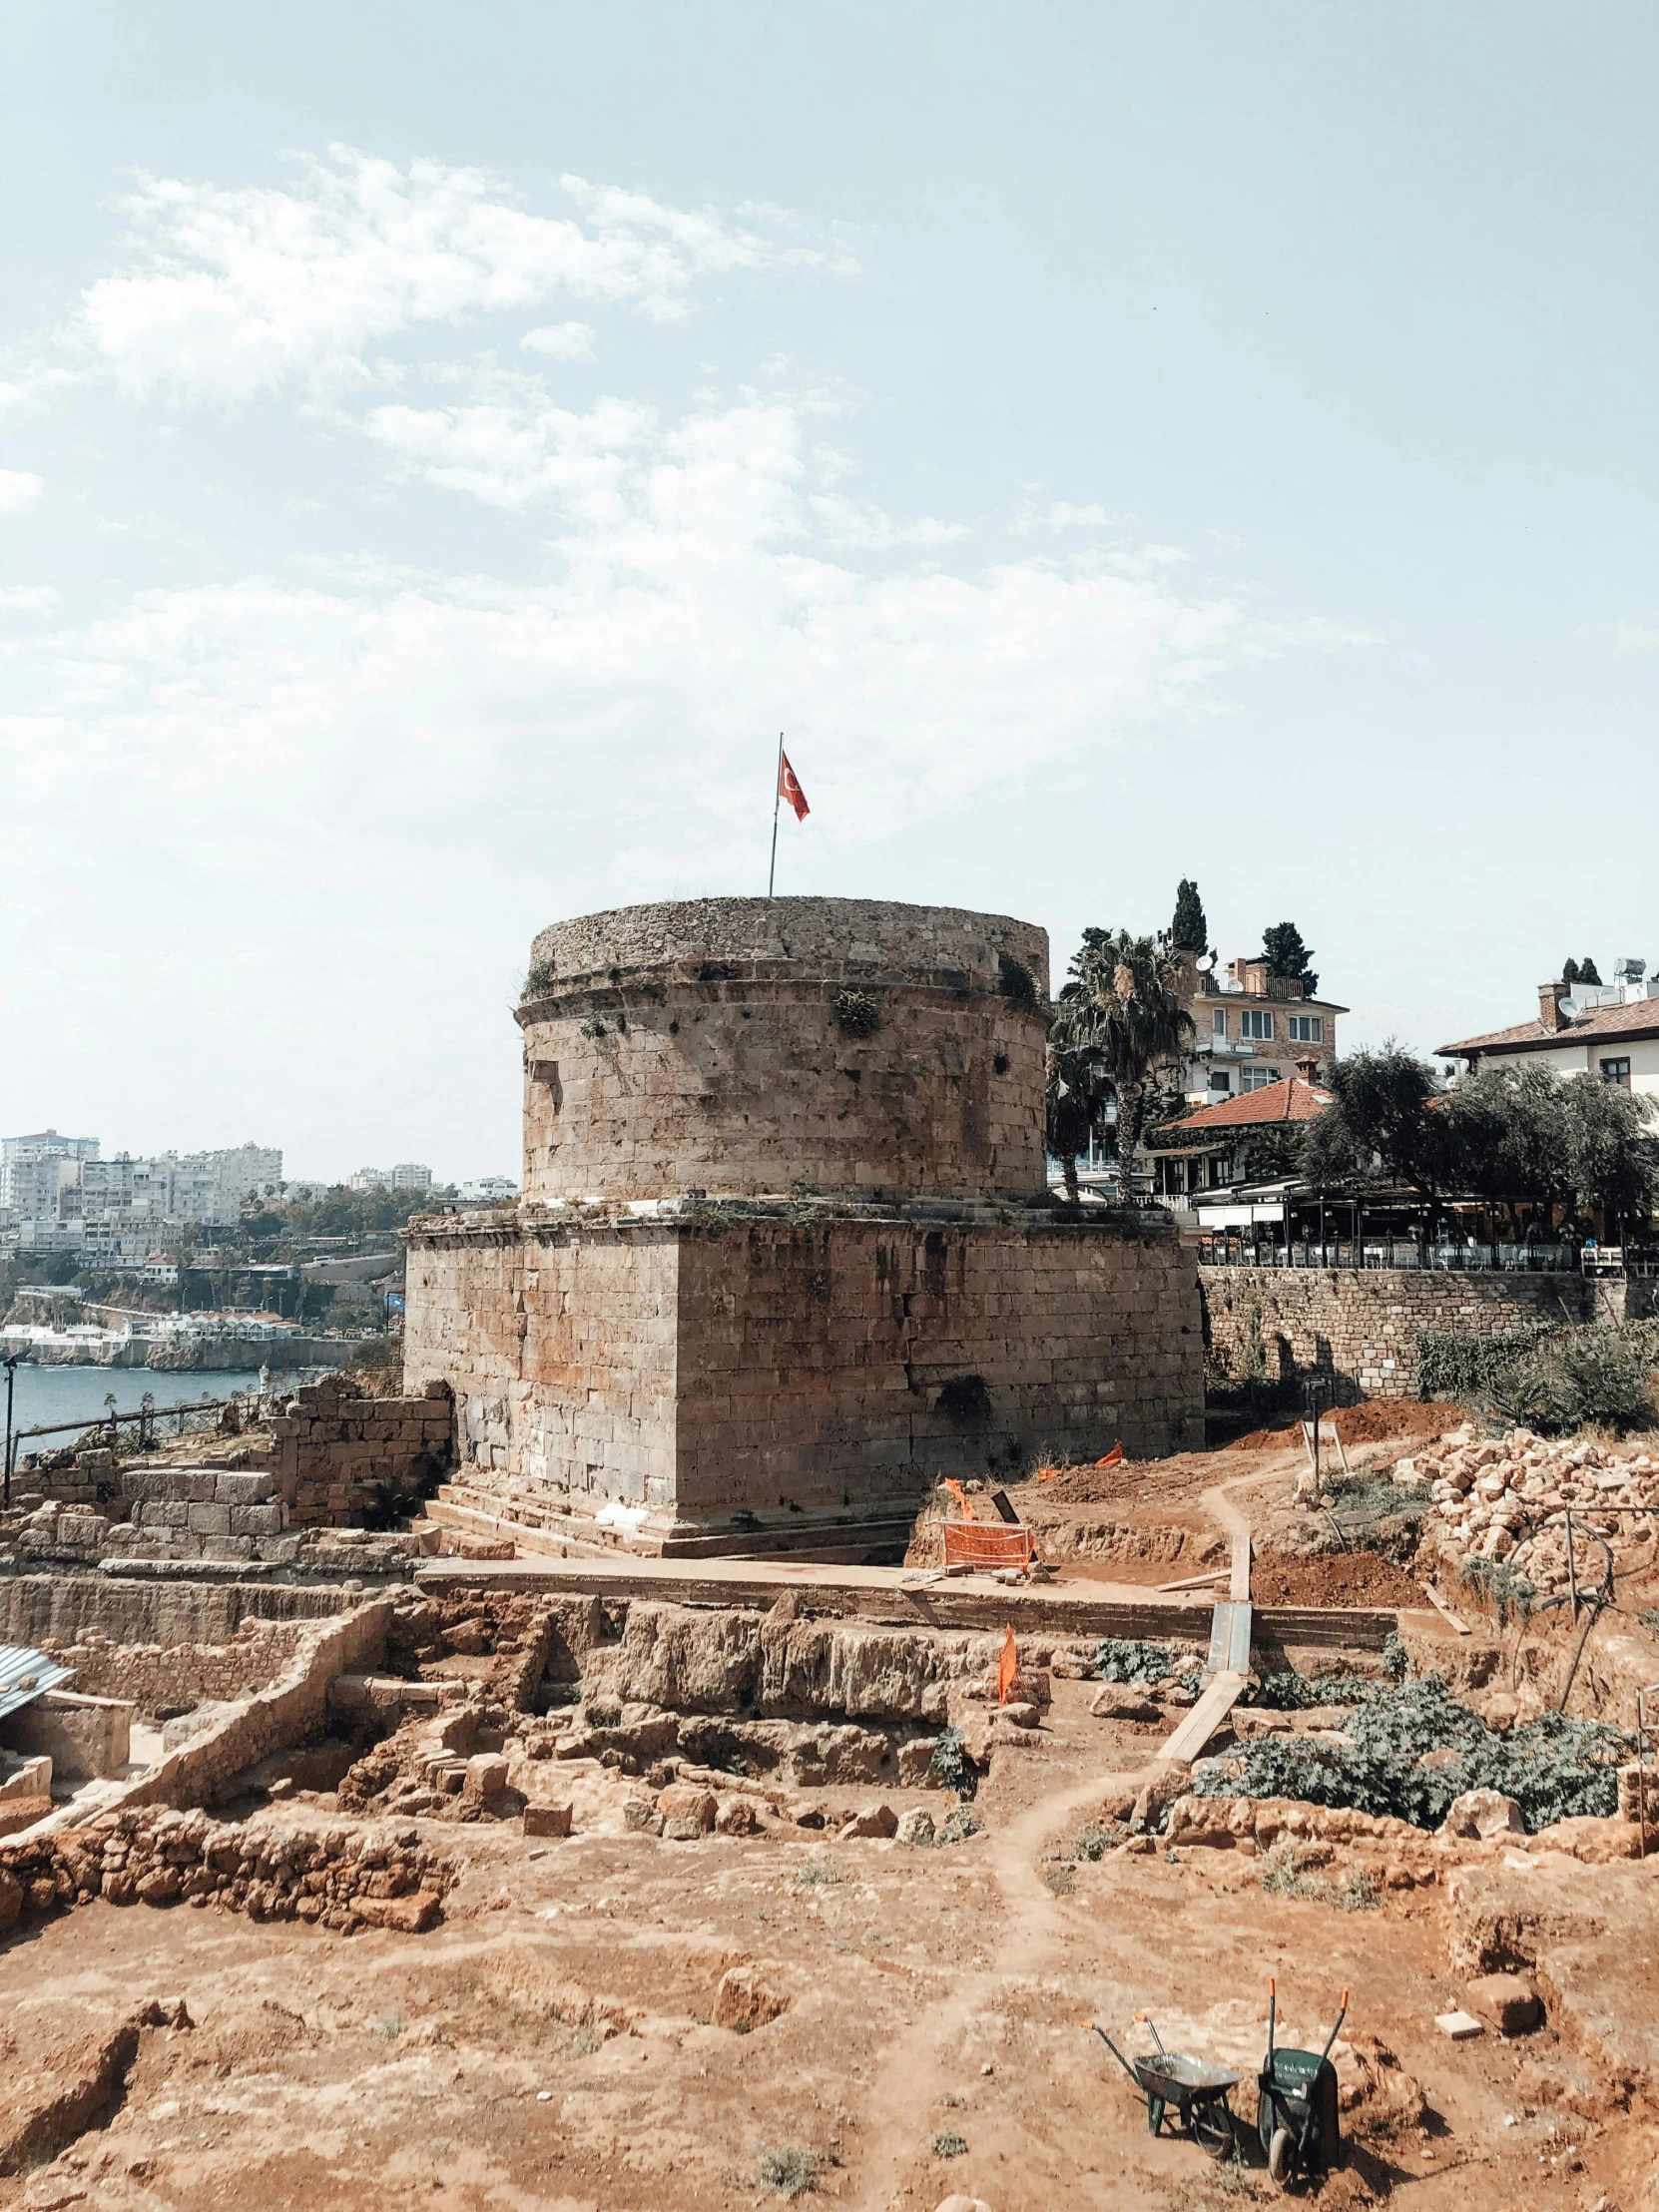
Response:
column 1272, row 2012
column 1118, row 2055
column 1342, row 2014
column 1151, row 2024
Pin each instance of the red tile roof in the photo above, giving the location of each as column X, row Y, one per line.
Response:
column 1639, row 1018
column 1290, row 1099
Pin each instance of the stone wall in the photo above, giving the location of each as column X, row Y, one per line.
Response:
column 1358, row 1327
column 47, row 1610
column 343, row 1461
column 743, row 1368
column 160, row 1678
column 710, row 1045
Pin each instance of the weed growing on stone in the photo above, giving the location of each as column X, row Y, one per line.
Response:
column 1508, row 1591
column 790, row 2168
column 958, row 1824
column 1284, row 1872
column 949, row 2144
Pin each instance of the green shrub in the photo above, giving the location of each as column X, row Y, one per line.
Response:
column 1552, row 1767
column 1126, row 1659
column 1508, row 1590
column 1289, row 1692
column 1602, row 1373
column 950, row 1765
column 1462, row 1368
column 949, row 2144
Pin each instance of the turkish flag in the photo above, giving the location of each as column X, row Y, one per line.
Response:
column 788, row 786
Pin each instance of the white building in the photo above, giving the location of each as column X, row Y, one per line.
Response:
column 411, row 1175
column 483, row 1190
column 1610, row 1030
column 370, row 1178
column 34, row 1170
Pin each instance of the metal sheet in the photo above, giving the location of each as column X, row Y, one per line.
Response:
column 25, row 1674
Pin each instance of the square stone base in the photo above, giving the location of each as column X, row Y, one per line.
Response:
column 769, row 1375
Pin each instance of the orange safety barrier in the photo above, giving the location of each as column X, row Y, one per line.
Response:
column 974, row 1544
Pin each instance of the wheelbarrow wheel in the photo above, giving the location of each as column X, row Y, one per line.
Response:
column 1213, row 2130
column 1282, row 2157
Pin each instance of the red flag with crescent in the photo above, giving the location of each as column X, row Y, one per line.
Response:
column 788, row 786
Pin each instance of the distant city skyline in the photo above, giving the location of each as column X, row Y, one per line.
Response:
column 1113, row 445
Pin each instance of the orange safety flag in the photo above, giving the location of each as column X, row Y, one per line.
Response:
column 961, row 1497
column 788, row 786
column 1113, row 1458
column 1008, row 1665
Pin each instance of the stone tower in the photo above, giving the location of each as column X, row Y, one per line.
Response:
column 786, row 1251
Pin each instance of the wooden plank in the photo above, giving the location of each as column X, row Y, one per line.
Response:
column 1195, row 1581
column 1204, row 1719
column 1445, row 1610
column 1239, row 1587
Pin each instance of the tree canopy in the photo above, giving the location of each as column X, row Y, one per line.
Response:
column 1287, row 955
column 1189, row 932
column 1117, row 1026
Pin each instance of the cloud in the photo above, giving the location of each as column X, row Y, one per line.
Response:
column 696, row 590
column 19, row 489
column 1637, row 637
column 233, row 290
column 28, row 599
column 566, row 341
column 1061, row 515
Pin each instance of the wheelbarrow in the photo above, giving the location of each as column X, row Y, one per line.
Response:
column 1173, row 2081
column 1295, row 2113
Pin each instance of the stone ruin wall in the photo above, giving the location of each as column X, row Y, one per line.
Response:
column 1360, row 1326
column 705, row 1046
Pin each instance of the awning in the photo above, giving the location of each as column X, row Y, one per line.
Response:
column 25, row 1675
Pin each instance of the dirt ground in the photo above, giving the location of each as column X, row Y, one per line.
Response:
column 550, row 2044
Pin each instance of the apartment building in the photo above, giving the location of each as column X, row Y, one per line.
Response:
column 1610, row 1030
column 1252, row 1028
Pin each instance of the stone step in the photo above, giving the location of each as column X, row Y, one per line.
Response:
column 473, row 1520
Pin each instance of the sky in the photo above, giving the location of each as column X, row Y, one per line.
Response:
column 442, row 447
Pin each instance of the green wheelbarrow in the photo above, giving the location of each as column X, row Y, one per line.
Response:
column 1296, row 2114
column 1194, row 2090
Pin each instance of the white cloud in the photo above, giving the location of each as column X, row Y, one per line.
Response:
column 241, row 290
column 1637, row 637
column 855, row 524
column 1060, row 515
column 566, row 341
column 697, row 596
column 28, row 599
column 19, row 489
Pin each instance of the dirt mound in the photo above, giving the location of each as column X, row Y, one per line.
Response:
column 1332, row 1578
column 1375, row 1422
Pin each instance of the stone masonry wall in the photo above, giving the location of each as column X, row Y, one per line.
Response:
column 1360, row 1326
column 706, row 1046
column 160, row 1677
column 346, row 1461
column 740, row 1364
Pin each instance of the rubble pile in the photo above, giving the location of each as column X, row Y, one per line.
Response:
column 340, row 1878
column 1489, row 1495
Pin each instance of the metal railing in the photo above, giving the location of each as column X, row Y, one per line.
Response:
column 1236, row 1250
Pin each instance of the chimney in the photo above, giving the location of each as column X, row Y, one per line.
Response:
column 1307, row 1069
column 1550, row 996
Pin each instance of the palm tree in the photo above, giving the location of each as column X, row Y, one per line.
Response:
column 1118, row 1025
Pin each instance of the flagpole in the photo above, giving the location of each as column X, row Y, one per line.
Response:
column 777, row 794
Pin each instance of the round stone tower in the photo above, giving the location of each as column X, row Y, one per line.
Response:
column 767, row 1047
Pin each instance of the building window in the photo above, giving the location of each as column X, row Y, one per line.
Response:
column 1219, row 1080
column 1218, row 1022
column 1616, row 1071
column 1256, row 1022
column 1307, row 1028
column 1257, row 1079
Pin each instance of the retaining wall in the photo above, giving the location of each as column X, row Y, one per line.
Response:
column 1358, row 1327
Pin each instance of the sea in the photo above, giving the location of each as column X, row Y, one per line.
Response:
column 44, row 1394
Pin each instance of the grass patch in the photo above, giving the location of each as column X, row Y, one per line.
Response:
column 1284, row 1872
column 949, row 2144
column 817, row 1873
column 790, row 2168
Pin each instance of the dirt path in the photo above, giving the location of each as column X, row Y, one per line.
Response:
column 919, row 2064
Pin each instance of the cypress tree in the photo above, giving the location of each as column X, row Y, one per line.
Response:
column 1189, row 932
